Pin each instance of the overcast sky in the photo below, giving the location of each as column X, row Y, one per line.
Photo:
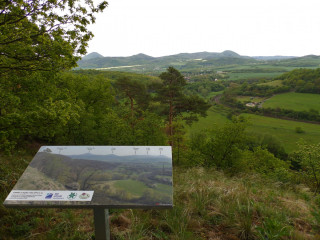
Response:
column 248, row 27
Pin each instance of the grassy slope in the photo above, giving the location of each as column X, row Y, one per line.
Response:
column 216, row 117
column 283, row 130
column 275, row 83
column 294, row 101
column 207, row 205
column 210, row 205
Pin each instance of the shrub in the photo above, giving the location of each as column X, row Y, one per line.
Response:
column 309, row 159
column 299, row 130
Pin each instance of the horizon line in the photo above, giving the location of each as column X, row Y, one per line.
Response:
column 140, row 53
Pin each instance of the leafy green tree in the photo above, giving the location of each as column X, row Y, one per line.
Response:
column 262, row 161
column 273, row 145
column 222, row 147
column 134, row 94
column 309, row 157
column 44, row 35
column 37, row 40
column 135, row 91
column 150, row 130
column 228, row 143
column 93, row 96
column 170, row 94
column 34, row 108
column 114, row 130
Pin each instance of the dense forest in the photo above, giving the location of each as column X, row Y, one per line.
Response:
column 72, row 108
column 43, row 101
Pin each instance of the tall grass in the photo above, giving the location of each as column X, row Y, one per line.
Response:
column 210, row 205
column 207, row 205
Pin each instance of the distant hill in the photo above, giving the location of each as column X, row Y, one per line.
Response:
column 193, row 62
column 230, row 54
column 92, row 56
column 272, row 57
column 112, row 62
column 300, row 62
column 142, row 61
column 204, row 55
column 140, row 57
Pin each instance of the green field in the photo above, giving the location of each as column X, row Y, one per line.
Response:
column 275, row 83
column 252, row 75
column 254, row 71
column 216, row 117
column 283, row 130
column 294, row 101
column 131, row 186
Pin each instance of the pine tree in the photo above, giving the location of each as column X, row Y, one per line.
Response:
column 171, row 95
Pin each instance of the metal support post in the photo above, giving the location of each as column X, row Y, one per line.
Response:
column 101, row 224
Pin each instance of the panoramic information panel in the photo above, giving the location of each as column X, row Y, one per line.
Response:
column 96, row 176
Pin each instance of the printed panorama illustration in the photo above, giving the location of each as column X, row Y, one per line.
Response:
column 120, row 176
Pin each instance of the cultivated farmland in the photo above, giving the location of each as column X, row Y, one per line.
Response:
column 294, row 101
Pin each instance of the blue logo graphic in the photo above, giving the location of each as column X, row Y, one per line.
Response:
column 49, row 196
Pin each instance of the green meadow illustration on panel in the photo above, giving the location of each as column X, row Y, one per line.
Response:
column 120, row 176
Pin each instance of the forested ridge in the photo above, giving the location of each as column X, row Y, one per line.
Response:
column 228, row 182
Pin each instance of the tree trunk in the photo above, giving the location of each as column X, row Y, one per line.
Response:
column 131, row 107
column 170, row 124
